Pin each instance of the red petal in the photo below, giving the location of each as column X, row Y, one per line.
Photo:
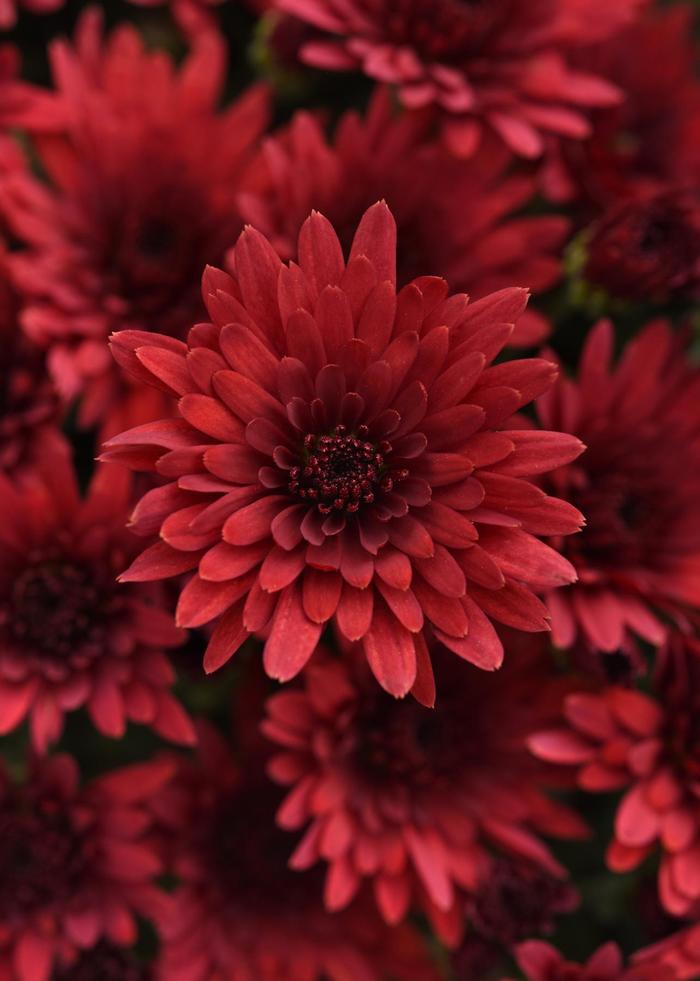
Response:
column 292, row 639
column 321, row 593
column 391, row 653
column 226, row 639
column 354, row 614
column 376, row 238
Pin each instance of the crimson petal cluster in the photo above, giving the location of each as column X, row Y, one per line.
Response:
column 418, row 801
column 339, row 456
column 70, row 636
column 503, row 66
column 239, row 911
column 623, row 738
column 141, row 195
column 77, row 866
column 390, row 156
column 638, row 485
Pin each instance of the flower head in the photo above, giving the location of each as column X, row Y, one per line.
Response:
column 652, row 136
column 541, row 962
column 637, row 483
column 70, row 635
column 648, row 245
column 338, row 458
column 517, row 900
column 623, row 738
column 239, row 910
column 75, row 865
column 141, row 195
column 417, row 800
column 455, row 218
column 501, row 66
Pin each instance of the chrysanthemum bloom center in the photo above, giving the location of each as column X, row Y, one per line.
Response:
column 516, row 902
column 407, row 743
column 41, row 857
column 57, row 607
column 102, row 963
column 342, row 471
column 625, row 511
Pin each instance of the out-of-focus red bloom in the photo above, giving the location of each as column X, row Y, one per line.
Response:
column 337, row 458
column 638, row 485
column 517, row 900
column 652, row 136
column 29, row 403
column 648, row 245
column 70, row 635
column 539, row 961
column 503, row 66
column 10, row 8
column 415, row 799
column 75, row 864
column 621, row 737
column 239, row 911
column 141, row 195
column 455, row 218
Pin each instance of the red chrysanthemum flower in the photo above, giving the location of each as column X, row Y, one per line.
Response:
column 638, row 484
column 652, row 136
column 337, row 458
column 455, row 218
column 648, row 245
column 622, row 737
column 539, row 961
column 414, row 799
column 70, row 635
column 239, row 911
column 501, row 65
column 29, row 403
column 10, row 8
column 517, row 900
column 142, row 194
column 75, row 865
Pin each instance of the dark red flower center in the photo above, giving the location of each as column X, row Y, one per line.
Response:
column 42, row 859
column 629, row 506
column 342, row 471
column 58, row 607
column 404, row 743
column 516, row 902
column 655, row 244
column 146, row 253
column 102, row 963
column 442, row 30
